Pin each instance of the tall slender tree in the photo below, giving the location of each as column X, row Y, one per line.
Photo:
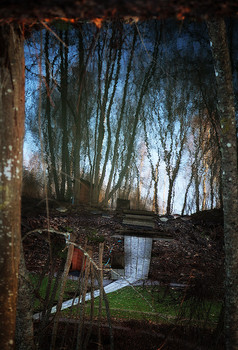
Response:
column 12, row 102
column 120, row 119
column 48, row 114
column 105, row 102
column 64, row 115
column 143, row 91
column 226, row 108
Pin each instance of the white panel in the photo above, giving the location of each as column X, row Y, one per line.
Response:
column 137, row 256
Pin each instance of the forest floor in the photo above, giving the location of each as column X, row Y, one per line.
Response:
column 194, row 257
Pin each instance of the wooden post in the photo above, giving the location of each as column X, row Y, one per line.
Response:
column 101, row 247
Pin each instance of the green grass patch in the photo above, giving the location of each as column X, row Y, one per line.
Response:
column 155, row 304
column 158, row 304
column 41, row 291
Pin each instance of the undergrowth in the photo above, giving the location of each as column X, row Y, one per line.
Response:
column 158, row 304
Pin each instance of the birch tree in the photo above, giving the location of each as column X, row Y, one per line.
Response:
column 12, row 93
column 225, row 93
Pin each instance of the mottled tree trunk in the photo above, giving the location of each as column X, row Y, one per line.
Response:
column 24, row 324
column 11, row 142
column 217, row 31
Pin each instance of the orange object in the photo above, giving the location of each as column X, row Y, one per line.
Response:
column 77, row 260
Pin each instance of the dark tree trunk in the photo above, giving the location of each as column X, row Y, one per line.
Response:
column 186, row 194
column 217, row 32
column 169, row 199
column 119, row 124
column 66, row 182
column 109, row 109
column 78, row 120
column 11, row 141
column 156, row 179
column 172, row 174
column 197, row 180
column 146, row 81
column 48, row 116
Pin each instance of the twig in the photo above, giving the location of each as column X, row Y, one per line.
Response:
column 82, row 306
column 85, row 346
column 67, row 235
column 50, row 30
column 61, row 294
column 101, row 247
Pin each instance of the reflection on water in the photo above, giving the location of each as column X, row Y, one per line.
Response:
column 137, row 257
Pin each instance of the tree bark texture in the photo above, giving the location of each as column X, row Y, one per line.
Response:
column 11, row 141
column 24, row 323
column 217, row 32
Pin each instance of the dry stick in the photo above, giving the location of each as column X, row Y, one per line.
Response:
column 177, row 319
column 61, row 294
column 79, row 308
column 77, row 292
column 50, row 30
column 46, row 320
column 91, row 310
column 97, row 268
column 107, row 308
column 47, row 305
column 43, row 273
column 80, row 287
column 101, row 247
column 82, row 308
column 66, row 234
column 109, row 320
column 50, row 230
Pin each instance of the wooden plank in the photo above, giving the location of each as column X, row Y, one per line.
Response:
column 145, row 233
column 138, row 212
column 139, row 217
column 154, row 238
column 138, row 223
